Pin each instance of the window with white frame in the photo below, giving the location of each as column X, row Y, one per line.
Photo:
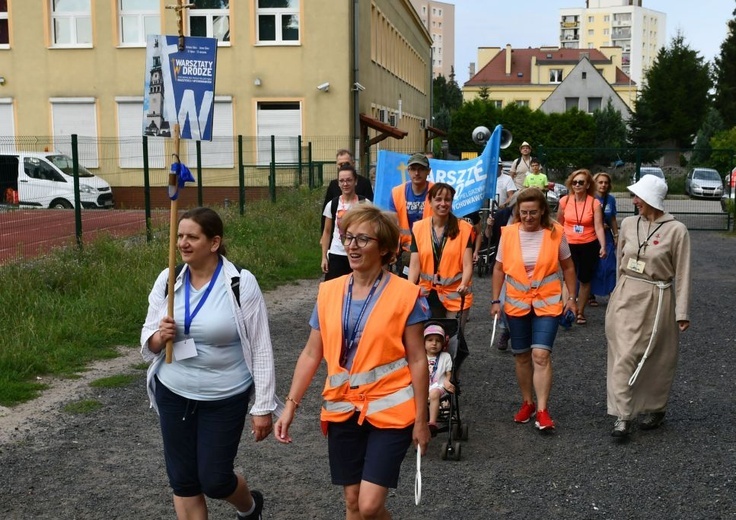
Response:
column 283, row 120
column 76, row 116
column 136, row 19
column 210, row 19
column 555, row 75
column 4, row 27
column 497, row 103
column 522, row 102
column 71, row 23
column 278, row 22
column 7, row 124
column 594, row 103
column 130, row 136
column 220, row 152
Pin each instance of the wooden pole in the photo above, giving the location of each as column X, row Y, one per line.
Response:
column 173, row 189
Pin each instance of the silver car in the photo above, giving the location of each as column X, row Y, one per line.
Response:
column 704, row 182
column 648, row 170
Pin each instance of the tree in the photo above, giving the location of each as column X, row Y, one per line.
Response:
column 610, row 134
column 446, row 94
column 725, row 77
column 674, row 101
column 712, row 125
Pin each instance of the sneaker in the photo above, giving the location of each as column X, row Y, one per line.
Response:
column 256, row 514
column 621, row 428
column 525, row 413
column 651, row 421
column 544, row 421
column 502, row 341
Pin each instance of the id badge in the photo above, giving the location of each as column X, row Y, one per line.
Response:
column 577, row 228
column 636, row 265
column 185, row 349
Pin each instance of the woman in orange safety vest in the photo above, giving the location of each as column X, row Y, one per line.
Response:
column 368, row 326
column 442, row 255
column 528, row 261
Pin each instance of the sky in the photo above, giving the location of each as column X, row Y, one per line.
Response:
column 535, row 23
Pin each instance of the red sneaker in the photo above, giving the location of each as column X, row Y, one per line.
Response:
column 544, row 421
column 525, row 413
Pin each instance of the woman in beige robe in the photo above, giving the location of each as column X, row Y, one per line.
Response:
column 651, row 298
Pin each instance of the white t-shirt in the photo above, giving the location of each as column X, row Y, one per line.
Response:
column 336, row 247
column 444, row 365
column 504, row 184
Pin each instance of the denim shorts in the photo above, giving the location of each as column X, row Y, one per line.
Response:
column 532, row 331
column 201, row 441
column 364, row 452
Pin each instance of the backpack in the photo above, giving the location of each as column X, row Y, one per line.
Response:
column 336, row 201
column 234, row 282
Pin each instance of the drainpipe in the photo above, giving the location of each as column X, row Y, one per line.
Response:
column 356, row 92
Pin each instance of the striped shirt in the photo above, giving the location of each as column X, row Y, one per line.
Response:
column 531, row 243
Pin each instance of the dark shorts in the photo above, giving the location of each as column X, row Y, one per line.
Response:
column 366, row 453
column 585, row 257
column 201, row 440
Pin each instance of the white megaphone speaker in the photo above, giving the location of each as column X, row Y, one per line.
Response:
column 481, row 135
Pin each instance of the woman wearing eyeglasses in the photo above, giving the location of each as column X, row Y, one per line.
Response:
column 368, row 327
column 530, row 256
column 581, row 216
column 334, row 258
column 442, row 256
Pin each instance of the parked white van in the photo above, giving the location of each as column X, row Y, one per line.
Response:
column 46, row 180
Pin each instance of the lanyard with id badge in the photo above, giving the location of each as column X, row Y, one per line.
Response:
column 186, row 348
column 579, row 228
column 637, row 265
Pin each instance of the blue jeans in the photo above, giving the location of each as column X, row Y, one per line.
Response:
column 532, row 331
column 200, row 441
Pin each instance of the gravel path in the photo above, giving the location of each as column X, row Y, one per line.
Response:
column 108, row 464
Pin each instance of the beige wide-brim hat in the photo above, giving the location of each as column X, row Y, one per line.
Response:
column 651, row 190
column 522, row 145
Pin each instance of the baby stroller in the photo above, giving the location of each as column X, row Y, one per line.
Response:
column 449, row 420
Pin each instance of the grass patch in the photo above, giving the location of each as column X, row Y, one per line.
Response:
column 140, row 366
column 61, row 312
column 116, row 381
column 82, row 407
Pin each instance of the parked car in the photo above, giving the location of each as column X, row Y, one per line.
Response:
column 729, row 190
column 704, row 182
column 647, row 170
column 46, row 180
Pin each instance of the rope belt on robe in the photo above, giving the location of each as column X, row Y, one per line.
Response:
column 661, row 286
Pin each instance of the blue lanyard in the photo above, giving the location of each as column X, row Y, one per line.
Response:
column 187, row 288
column 348, row 345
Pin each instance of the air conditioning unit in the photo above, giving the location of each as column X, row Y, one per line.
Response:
column 392, row 119
column 383, row 116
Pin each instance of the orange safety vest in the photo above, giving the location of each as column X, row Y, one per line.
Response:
column 379, row 383
column 544, row 291
column 398, row 193
column 450, row 271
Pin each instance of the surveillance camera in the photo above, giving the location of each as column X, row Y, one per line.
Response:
column 358, row 86
column 324, row 87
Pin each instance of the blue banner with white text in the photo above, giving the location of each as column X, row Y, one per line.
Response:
column 180, row 87
column 474, row 180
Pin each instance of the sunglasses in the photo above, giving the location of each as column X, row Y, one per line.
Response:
column 578, row 183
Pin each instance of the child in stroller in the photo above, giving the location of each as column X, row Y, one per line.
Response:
column 440, row 370
column 444, row 365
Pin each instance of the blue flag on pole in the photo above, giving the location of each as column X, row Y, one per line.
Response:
column 474, row 180
column 183, row 175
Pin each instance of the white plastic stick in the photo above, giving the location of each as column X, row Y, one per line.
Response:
column 418, row 478
column 493, row 333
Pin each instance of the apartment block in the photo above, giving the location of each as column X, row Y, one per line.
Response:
column 640, row 32
column 439, row 19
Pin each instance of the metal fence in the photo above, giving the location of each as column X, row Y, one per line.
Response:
column 236, row 170
column 704, row 209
